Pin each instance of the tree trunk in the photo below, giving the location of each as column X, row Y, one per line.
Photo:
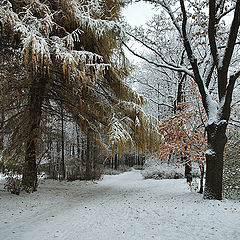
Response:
column 88, row 165
column 214, row 156
column 188, row 172
column 29, row 179
column 201, row 178
column 116, row 160
column 112, row 162
column 63, row 171
column 2, row 139
column 78, row 143
column 2, row 118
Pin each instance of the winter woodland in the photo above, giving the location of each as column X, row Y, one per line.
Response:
column 88, row 135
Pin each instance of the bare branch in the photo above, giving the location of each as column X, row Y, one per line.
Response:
column 191, row 57
column 174, row 68
column 224, row 65
column 212, row 31
column 232, row 38
column 223, row 14
column 151, row 86
column 209, row 74
column 228, row 99
column 161, row 103
column 152, row 49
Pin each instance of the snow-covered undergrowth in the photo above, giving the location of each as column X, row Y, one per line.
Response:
column 231, row 178
column 124, row 206
column 1, row 177
column 156, row 169
column 112, row 171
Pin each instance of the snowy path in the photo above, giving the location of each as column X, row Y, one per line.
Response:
column 119, row 207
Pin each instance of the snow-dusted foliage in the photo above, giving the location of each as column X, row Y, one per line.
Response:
column 40, row 29
column 118, row 134
column 155, row 169
column 133, row 124
column 206, row 42
column 158, row 87
column 70, row 68
column 164, row 37
column 231, row 169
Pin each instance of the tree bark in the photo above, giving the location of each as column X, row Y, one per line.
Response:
column 78, row 144
column 29, row 179
column 217, row 140
column 188, row 172
column 201, row 178
column 2, row 139
column 116, row 160
column 63, row 171
column 88, row 165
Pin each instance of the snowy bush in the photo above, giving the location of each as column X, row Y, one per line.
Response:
column 74, row 168
column 231, row 169
column 111, row 171
column 13, row 184
column 157, row 169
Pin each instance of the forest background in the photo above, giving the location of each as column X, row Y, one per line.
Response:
column 67, row 108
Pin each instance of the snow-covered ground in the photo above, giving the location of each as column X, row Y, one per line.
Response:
column 123, row 206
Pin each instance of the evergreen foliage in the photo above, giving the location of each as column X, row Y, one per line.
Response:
column 66, row 56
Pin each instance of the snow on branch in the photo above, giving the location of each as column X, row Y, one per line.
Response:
column 174, row 68
column 90, row 14
column 36, row 51
column 132, row 126
column 37, row 22
column 118, row 135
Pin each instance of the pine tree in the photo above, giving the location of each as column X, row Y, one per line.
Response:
column 69, row 57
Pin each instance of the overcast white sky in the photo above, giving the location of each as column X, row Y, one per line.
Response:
column 137, row 14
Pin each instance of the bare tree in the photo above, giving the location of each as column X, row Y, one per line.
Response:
column 210, row 47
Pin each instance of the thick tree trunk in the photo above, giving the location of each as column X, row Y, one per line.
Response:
column 29, row 179
column 214, row 156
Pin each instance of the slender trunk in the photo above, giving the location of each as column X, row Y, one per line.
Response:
column 62, row 139
column 116, row 160
column 158, row 115
column 88, row 167
column 29, row 179
column 1, row 127
column 201, row 178
column 57, row 163
column 214, row 156
column 112, row 162
column 78, row 143
column 73, row 151
column 188, row 171
column 2, row 139
column 177, row 107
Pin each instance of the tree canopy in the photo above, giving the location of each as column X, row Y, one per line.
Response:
column 68, row 55
column 193, row 38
